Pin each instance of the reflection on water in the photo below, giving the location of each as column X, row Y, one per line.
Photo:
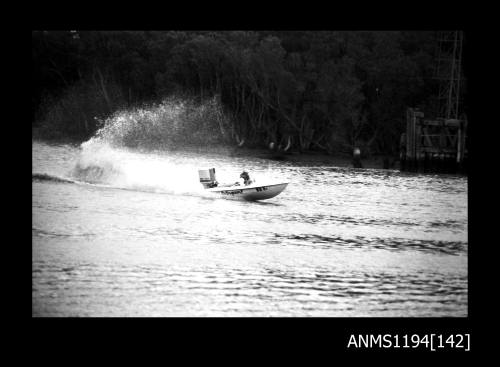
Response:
column 337, row 242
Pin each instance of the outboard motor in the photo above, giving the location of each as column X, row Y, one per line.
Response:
column 207, row 178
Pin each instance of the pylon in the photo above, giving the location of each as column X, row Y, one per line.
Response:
column 449, row 74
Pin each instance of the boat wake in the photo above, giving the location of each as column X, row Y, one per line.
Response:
column 47, row 177
column 100, row 165
column 40, row 177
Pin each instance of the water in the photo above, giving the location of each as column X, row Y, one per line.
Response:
column 123, row 233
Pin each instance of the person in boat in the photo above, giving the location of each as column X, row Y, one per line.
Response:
column 246, row 178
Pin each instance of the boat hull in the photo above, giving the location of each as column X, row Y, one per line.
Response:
column 251, row 193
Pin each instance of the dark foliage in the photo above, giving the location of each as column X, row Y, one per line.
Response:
column 327, row 91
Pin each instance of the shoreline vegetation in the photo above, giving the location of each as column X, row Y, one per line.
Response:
column 308, row 93
column 339, row 160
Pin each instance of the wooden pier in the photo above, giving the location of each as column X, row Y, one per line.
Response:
column 438, row 145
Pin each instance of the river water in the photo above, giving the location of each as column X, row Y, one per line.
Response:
column 118, row 232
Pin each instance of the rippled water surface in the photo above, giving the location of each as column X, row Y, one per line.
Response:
column 138, row 237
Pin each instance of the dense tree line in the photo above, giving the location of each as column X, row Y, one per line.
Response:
column 321, row 90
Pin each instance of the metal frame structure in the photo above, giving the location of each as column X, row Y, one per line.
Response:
column 449, row 74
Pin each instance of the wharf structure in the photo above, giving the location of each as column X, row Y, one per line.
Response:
column 439, row 144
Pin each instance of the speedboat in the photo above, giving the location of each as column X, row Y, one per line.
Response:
column 250, row 192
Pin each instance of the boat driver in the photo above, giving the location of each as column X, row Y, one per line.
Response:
column 246, row 178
